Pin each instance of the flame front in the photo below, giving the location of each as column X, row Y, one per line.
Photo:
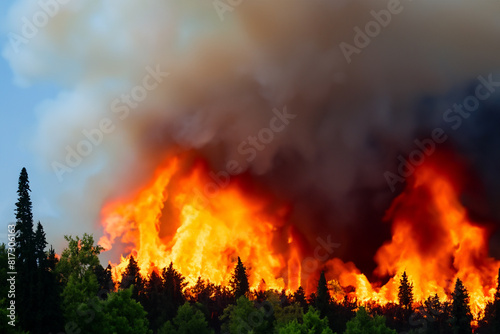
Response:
column 434, row 241
column 212, row 230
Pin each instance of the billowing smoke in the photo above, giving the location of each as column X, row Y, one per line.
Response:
column 355, row 101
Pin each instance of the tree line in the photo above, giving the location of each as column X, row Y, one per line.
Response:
column 76, row 294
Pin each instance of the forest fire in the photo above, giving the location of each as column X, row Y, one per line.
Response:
column 209, row 235
column 433, row 240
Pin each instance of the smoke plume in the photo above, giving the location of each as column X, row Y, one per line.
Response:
column 230, row 72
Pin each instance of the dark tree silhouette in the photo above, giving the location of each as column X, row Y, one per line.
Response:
column 26, row 265
column 154, row 300
column 299, row 297
column 323, row 298
column 239, row 280
column 174, row 284
column 105, row 279
column 50, row 319
column 132, row 276
column 405, row 293
column 460, row 313
column 495, row 321
column 40, row 243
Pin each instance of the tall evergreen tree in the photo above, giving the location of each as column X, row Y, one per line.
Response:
column 50, row 319
column 25, row 255
column 154, row 300
column 133, row 276
column 174, row 284
column 299, row 297
column 405, row 293
column 39, row 244
column 323, row 298
column 105, row 280
column 239, row 280
column 460, row 313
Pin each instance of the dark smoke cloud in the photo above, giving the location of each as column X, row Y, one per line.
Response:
column 226, row 77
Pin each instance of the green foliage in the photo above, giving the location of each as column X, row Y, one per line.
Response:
column 363, row 323
column 119, row 313
column 76, row 268
column 189, row 320
column 244, row 317
column 76, row 296
column 460, row 312
column 239, row 280
column 79, row 258
column 312, row 324
column 285, row 315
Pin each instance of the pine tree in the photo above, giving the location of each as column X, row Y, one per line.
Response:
column 461, row 314
column 50, row 318
column 52, row 259
column 323, row 298
column 494, row 309
column 43, row 278
column 405, row 293
column 25, row 255
column 105, row 280
column 495, row 321
column 154, row 300
column 299, row 297
column 40, row 243
column 239, row 280
column 133, row 276
column 174, row 284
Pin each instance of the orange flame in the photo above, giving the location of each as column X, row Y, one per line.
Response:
column 434, row 242
column 433, row 239
column 210, row 234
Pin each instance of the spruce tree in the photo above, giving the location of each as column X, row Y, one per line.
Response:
column 299, row 297
column 460, row 313
column 323, row 298
column 132, row 276
column 105, row 280
column 25, row 255
column 239, row 280
column 39, row 244
column 174, row 284
column 405, row 293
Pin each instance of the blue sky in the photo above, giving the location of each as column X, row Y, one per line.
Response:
column 17, row 125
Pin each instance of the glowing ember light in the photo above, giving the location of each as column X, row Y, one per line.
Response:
column 209, row 236
column 434, row 241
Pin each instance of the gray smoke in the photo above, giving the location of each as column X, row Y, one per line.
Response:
column 227, row 76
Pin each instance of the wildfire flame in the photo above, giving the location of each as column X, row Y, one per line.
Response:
column 435, row 242
column 433, row 239
column 211, row 232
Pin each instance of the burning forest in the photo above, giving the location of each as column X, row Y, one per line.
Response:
column 256, row 167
